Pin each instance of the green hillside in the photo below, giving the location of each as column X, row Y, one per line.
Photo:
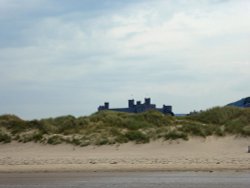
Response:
column 107, row 127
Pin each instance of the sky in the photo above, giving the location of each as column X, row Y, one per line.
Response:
column 60, row 57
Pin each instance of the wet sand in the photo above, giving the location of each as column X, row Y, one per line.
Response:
column 212, row 153
column 126, row 179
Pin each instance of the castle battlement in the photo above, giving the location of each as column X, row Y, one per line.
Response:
column 138, row 107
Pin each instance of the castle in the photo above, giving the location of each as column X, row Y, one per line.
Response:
column 138, row 107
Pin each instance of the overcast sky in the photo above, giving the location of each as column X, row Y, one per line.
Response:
column 62, row 57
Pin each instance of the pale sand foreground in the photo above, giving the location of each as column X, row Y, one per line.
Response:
column 212, row 153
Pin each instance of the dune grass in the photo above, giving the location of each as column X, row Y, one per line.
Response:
column 108, row 127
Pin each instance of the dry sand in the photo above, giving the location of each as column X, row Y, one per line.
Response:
column 212, row 153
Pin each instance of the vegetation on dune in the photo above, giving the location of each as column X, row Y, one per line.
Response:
column 230, row 120
column 108, row 127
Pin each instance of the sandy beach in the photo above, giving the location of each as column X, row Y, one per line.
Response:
column 198, row 154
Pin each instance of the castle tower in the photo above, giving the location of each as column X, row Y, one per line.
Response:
column 167, row 109
column 131, row 103
column 106, row 105
column 138, row 102
column 147, row 101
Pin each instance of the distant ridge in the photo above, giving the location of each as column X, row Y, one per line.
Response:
column 243, row 103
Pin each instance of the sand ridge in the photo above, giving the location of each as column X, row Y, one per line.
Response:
column 212, row 153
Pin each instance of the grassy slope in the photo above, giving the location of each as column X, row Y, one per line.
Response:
column 109, row 127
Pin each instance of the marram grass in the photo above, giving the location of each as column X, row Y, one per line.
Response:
column 107, row 127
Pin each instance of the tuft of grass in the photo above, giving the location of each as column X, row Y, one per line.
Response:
column 137, row 136
column 5, row 138
column 232, row 119
column 174, row 135
column 37, row 137
column 197, row 129
column 14, row 124
column 219, row 115
column 55, row 139
column 246, row 130
column 102, row 141
column 121, row 139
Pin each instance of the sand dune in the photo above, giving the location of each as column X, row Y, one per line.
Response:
column 212, row 153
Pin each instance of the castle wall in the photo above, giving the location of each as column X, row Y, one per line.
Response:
column 138, row 107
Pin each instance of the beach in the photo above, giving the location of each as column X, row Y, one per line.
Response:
column 196, row 154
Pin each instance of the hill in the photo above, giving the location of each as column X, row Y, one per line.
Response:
column 245, row 102
column 107, row 127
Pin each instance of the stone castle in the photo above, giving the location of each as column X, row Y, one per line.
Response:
column 138, row 107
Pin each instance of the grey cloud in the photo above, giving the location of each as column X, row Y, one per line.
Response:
column 66, row 57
